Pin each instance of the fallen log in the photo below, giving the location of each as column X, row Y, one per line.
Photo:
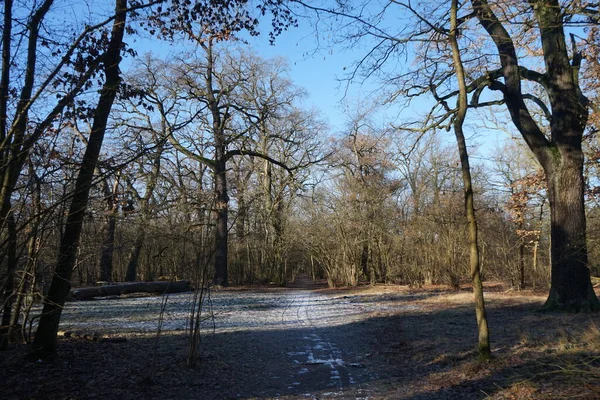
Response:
column 131, row 287
column 94, row 337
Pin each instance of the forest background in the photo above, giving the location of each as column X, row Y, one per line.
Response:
column 204, row 158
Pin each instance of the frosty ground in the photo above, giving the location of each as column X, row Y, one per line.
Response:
column 382, row 342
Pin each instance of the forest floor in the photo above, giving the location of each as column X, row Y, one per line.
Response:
column 309, row 342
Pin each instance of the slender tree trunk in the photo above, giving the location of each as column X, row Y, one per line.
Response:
column 482, row 324
column 30, row 270
column 267, row 200
column 221, row 211
column 240, row 227
column 13, row 154
column 9, row 296
column 534, row 258
column 33, row 246
column 145, row 212
column 45, row 339
column 364, row 261
column 6, row 65
column 108, row 244
column 521, row 265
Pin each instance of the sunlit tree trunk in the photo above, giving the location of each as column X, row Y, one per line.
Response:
column 561, row 155
column 482, row 324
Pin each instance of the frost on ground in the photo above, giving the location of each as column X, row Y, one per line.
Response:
column 380, row 342
column 223, row 311
column 305, row 353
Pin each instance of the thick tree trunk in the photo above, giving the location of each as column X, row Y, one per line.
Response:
column 561, row 155
column 219, row 166
column 44, row 344
column 571, row 288
column 134, row 253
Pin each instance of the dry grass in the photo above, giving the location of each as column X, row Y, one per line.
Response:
column 536, row 355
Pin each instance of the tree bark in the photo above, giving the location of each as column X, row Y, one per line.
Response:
column 6, row 64
column 9, row 296
column 571, row 287
column 145, row 211
column 521, row 284
column 110, row 226
column 561, row 156
column 364, row 261
column 482, row 324
column 220, row 172
column 32, row 252
column 134, row 253
column 44, row 344
column 221, row 211
column 13, row 153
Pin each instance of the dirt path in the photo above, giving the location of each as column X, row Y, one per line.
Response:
column 318, row 360
column 310, row 346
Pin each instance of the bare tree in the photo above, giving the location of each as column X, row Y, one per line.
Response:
column 560, row 154
column 45, row 338
column 458, row 123
column 496, row 61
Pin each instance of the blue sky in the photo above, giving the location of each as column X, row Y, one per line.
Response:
column 317, row 69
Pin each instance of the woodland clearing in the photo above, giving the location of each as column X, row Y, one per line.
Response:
column 376, row 342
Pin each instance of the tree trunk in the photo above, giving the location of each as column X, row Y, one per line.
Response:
column 134, row 253
column 571, row 287
column 364, row 261
column 108, row 244
column 219, row 165
column 32, row 252
column 521, row 284
column 221, row 211
column 9, row 296
column 13, row 151
column 561, row 155
column 44, row 344
column 482, row 324
column 144, row 204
